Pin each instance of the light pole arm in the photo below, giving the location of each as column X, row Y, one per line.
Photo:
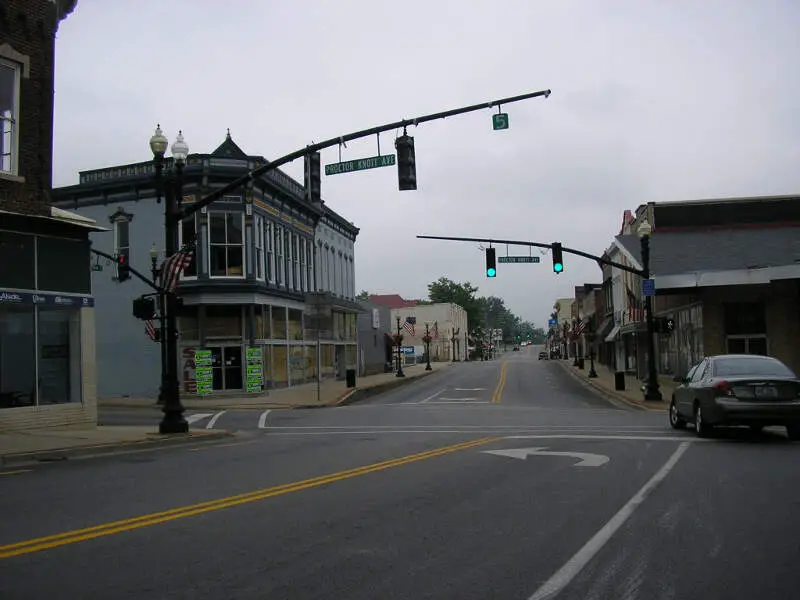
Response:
column 114, row 259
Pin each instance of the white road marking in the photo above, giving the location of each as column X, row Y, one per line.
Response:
column 514, row 427
column 213, row 420
column 262, row 420
column 469, row 389
column 412, row 429
column 197, row 417
column 575, row 565
column 577, row 436
column 587, row 459
column 429, row 398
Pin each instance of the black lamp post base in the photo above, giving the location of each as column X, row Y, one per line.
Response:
column 653, row 395
column 173, row 424
column 428, row 367
column 400, row 374
column 592, row 373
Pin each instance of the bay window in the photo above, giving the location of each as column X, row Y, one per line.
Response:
column 287, row 252
column 296, row 262
column 280, row 263
column 270, row 258
column 310, row 266
column 226, row 244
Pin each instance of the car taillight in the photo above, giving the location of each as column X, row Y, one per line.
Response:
column 722, row 388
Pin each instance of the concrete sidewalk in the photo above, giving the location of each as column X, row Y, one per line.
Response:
column 630, row 396
column 331, row 393
column 53, row 444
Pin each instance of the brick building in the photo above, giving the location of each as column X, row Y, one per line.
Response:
column 46, row 307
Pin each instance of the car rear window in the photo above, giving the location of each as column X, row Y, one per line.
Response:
column 744, row 366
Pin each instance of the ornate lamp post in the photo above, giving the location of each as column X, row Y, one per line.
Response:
column 398, row 340
column 427, row 340
column 173, row 420
column 591, row 336
column 155, row 271
column 652, row 391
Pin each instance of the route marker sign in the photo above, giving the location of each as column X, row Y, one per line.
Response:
column 360, row 164
column 500, row 121
column 517, row 259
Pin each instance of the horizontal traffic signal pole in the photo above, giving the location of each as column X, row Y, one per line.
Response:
column 115, row 260
column 599, row 259
column 191, row 209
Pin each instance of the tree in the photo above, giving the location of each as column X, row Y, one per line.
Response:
column 463, row 294
column 364, row 295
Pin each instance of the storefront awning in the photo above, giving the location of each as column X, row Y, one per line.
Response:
column 605, row 327
column 613, row 335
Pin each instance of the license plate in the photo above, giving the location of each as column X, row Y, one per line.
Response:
column 766, row 392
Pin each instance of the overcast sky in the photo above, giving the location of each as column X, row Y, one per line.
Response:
column 651, row 101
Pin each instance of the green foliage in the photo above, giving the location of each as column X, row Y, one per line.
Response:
column 484, row 313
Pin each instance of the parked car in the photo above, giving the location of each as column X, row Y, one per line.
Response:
column 737, row 389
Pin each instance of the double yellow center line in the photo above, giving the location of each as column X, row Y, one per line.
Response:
column 501, row 384
column 81, row 535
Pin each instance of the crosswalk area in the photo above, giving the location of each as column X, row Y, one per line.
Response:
column 229, row 419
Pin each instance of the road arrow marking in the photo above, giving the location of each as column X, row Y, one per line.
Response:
column 198, row 417
column 586, row 459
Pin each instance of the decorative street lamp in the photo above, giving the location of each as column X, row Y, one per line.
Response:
column 591, row 336
column 652, row 391
column 155, row 270
column 398, row 340
column 173, row 420
column 427, row 340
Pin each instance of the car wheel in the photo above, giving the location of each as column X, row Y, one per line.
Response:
column 701, row 428
column 675, row 420
column 793, row 432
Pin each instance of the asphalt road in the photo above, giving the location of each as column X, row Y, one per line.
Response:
column 503, row 479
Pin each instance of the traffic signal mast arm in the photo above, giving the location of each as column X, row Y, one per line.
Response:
column 116, row 260
column 599, row 259
column 190, row 209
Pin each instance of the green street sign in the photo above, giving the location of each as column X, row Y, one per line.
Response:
column 518, row 259
column 500, row 121
column 360, row 164
column 97, row 267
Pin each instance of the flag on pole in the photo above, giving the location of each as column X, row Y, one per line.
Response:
column 409, row 325
column 172, row 267
column 436, row 329
column 150, row 330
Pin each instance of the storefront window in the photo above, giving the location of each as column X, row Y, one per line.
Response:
column 295, row 324
column 56, row 354
column 59, row 356
column 278, row 323
column 279, row 374
column 17, row 357
column 297, row 364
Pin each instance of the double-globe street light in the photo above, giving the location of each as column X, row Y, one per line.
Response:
column 427, row 341
column 173, row 420
column 398, row 340
column 155, row 271
column 652, row 391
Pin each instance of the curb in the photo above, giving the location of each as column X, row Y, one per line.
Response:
column 359, row 395
column 615, row 399
column 60, row 454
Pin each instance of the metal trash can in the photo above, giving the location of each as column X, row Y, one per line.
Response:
column 350, row 375
column 619, row 380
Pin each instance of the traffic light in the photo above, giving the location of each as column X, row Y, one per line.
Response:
column 406, row 163
column 558, row 260
column 144, row 308
column 491, row 264
column 313, row 181
column 123, row 268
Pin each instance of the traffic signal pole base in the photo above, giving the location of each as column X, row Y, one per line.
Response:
column 653, row 394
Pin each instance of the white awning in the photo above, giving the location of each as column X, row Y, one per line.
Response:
column 612, row 334
column 62, row 216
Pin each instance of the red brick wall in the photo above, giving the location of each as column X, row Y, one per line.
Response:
column 28, row 27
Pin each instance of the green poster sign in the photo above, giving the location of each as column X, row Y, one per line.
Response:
column 203, row 373
column 254, row 376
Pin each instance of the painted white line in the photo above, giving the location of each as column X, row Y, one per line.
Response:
column 197, row 417
column 429, row 398
column 443, row 399
column 577, row 436
column 574, row 565
column 213, row 420
column 453, row 425
column 262, row 420
column 469, row 389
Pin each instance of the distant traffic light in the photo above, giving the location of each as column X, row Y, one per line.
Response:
column 123, row 268
column 558, row 260
column 491, row 264
column 313, row 182
column 406, row 163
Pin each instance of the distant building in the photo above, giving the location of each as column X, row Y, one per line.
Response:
column 375, row 349
column 447, row 324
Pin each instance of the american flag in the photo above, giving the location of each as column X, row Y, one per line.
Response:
column 150, row 330
column 579, row 327
column 409, row 325
column 172, row 268
column 436, row 329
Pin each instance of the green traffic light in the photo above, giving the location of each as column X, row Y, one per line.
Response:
column 558, row 267
column 491, row 272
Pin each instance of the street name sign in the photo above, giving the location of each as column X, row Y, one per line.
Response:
column 648, row 287
column 518, row 259
column 360, row 164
